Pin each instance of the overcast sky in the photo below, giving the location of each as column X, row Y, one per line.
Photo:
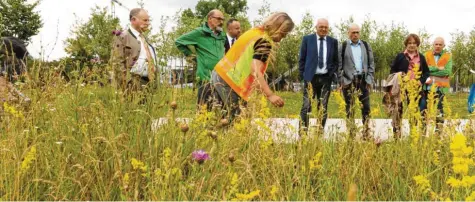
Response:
column 438, row 17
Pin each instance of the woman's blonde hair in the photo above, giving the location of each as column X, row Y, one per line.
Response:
column 277, row 24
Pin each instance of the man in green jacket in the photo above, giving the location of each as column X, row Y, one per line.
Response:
column 205, row 45
column 440, row 66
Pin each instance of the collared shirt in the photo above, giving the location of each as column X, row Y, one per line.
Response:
column 323, row 70
column 357, row 56
column 230, row 40
column 413, row 60
column 437, row 57
column 141, row 65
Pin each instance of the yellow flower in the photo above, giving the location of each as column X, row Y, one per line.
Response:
column 30, row 157
column 11, row 110
column 468, row 181
column 167, row 152
column 126, row 180
column 471, row 197
column 314, row 164
column 423, row 184
column 273, row 192
column 158, row 174
column 461, row 162
column 242, row 125
column 454, row 182
column 234, row 179
column 233, row 187
column 136, row 164
column 247, row 197
column 264, row 111
column 176, row 172
column 436, row 158
column 341, row 103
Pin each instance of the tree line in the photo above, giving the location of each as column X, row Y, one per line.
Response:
column 88, row 44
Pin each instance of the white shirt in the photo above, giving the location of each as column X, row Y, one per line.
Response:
column 230, row 40
column 141, row 65
column 323, row 70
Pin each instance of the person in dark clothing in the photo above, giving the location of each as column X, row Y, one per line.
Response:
column 411, row 63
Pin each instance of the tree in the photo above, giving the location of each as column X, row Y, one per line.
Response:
column 287, row 54
column 231, row 7
column 263, row 12
column 93, row 39
column 460, row 57
column 18, row 19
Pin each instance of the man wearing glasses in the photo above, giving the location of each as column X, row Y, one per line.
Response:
column 356, row 74
column 135, row 55
column 205, row 46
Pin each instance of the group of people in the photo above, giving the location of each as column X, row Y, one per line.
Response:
column 230, row 65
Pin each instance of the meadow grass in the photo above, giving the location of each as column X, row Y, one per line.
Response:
column 82, row 140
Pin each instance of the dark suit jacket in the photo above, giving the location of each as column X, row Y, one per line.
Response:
column 226, row 45
column 401, row 64
column 308, row 61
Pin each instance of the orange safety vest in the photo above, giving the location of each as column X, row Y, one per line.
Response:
column 235, row 67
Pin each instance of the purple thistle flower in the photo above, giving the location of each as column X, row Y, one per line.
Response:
column 200, row 156
column 117, row 32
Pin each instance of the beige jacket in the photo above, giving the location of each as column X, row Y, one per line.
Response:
column 125, row 51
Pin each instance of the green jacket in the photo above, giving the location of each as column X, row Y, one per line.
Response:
column 207, row 46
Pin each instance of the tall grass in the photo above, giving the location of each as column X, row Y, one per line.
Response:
column 83, row 140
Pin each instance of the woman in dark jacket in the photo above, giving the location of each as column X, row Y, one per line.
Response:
column 405, row 63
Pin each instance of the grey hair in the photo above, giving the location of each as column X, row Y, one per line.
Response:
column 353, row 25
column 211, row 13
column 134, row 12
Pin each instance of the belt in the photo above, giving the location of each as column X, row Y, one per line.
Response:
column 145, row 78
column 323, row 75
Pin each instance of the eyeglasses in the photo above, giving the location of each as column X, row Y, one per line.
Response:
column 218, row 18
column 355, row 32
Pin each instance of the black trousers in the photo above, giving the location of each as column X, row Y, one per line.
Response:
column 357, row 88
column 321, row 87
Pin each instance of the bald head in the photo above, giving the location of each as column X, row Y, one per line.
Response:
column 213, row 13
column 439, row 45
column 354, row 32
column 215, row 20
column 322, row 27
column 139, row 19
column 136, row 11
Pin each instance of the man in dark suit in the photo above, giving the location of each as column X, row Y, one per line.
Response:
column 234, row 30
column 318, row 64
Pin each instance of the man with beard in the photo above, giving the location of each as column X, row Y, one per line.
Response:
column 205, row 46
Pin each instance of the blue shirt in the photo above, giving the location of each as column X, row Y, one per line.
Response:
column 357, row 56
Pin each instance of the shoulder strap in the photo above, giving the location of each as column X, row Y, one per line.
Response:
column 343, row 48
column 367, row 50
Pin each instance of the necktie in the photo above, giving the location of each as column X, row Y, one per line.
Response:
column 150, row 62
column 232, row 41
column 320, row 54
